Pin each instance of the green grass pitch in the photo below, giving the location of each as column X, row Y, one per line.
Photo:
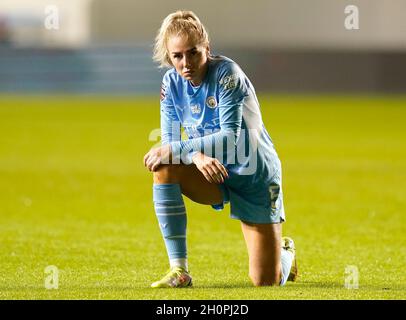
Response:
column 74, row 194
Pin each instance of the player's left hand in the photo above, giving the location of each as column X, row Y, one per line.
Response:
column 211, row 168
column 157, row 156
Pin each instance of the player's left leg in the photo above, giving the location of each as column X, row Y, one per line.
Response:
column 269, row 261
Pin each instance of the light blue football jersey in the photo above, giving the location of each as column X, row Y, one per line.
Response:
column 222, row 119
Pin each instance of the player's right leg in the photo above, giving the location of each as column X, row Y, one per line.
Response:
column 264, row 252
column 170, row 182
column 192, row 182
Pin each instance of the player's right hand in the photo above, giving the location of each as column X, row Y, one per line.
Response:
column 212, row 169
column 157, row 156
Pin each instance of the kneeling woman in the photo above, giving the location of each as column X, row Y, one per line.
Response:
column 229, row 156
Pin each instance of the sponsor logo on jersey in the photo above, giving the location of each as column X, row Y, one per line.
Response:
column 195, row 108
column 211, row 102
column 229, row 82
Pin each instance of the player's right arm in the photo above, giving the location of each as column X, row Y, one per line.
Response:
column 211, row 168
column 170, row 129
column 170, row 123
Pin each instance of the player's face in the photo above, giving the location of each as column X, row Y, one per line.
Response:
column 188, row 58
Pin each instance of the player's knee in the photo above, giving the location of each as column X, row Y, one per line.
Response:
column 166, row 174
column 261, row 280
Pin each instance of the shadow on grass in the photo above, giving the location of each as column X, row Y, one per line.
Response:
column 137, row 287
column 339, row 285
column 236, row 285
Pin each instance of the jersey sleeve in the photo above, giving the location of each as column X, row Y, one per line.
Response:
column 232, row 90
column 170, row 124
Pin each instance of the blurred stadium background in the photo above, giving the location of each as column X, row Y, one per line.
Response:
column 77, row 105
column 289, row 46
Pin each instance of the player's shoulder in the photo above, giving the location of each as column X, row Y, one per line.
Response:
column 229, row 74
column 223, row 66
column 170, row 76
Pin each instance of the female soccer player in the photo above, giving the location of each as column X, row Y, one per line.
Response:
column 229, row 156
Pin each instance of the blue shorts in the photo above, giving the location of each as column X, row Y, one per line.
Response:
column 259, row 203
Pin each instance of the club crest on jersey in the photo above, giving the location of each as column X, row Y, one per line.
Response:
column 195, row 109
column 211, row 102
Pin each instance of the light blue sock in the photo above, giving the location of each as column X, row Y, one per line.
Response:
column 171, row 213
column 286, row 263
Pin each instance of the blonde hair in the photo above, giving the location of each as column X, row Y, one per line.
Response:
column 179, row 23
